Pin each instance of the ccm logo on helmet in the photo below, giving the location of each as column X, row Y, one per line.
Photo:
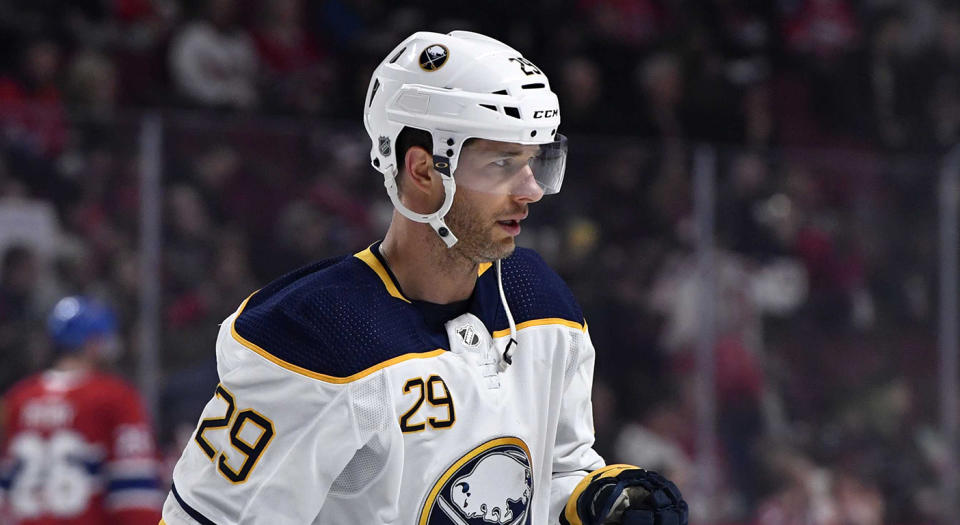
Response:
column 546, row 113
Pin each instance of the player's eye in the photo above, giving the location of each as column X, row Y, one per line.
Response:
column 503, row 163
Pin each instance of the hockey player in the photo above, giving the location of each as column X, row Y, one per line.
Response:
column 441, row 376
column 77, row 443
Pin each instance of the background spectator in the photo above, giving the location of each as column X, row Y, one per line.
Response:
column 213, row 59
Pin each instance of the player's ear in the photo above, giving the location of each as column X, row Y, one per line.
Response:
column 418, row 168
column 421, row 188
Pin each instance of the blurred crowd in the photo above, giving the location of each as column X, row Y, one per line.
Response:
column 827, row 121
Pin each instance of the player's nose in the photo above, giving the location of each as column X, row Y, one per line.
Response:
column 527, row 189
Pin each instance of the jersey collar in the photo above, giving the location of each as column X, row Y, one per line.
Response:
column 374, row 259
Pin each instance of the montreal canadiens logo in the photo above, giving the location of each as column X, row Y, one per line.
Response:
column 434, row 57
column 491, row 484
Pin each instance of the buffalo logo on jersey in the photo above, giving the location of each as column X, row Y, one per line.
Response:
column 491, row 484
column 434, row 57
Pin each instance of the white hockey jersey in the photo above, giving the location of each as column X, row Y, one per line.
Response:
column 340, row 402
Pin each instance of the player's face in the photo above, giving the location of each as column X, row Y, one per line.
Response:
column 495, row 185
column 103, row 350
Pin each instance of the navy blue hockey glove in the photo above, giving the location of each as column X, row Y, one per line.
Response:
column 626, row 495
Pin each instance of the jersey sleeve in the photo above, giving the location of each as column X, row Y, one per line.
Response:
column 574, row 456
column 269, row 443
column 133, row 493
column 10, row 406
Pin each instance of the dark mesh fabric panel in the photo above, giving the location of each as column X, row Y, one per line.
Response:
column 533, row 290
column 337, row 320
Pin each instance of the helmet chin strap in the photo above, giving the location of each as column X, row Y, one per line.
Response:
column 435, row 219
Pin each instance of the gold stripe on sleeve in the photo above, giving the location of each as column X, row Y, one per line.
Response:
column 316, row 375
column 570, row 511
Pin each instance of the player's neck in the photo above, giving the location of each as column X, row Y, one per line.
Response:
column 426, row 269
column 73, row 363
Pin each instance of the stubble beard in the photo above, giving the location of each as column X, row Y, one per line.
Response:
column 476, row 234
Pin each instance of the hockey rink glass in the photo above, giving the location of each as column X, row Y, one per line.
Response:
column 505, row 167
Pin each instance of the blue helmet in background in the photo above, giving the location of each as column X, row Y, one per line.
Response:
column 75, row 320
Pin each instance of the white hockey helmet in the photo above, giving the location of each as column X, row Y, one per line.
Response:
column 459, row 86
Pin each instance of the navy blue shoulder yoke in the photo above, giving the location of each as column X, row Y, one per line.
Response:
column 342, row 317
column 533, row 290
column 334, row 319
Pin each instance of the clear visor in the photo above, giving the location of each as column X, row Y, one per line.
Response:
column 509, row 168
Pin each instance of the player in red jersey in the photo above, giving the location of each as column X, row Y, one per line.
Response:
column 76, row 445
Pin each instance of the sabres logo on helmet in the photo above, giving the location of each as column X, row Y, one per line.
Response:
column 491, row 485
column 434, row 57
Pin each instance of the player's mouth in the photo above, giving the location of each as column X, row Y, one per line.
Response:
column 512, row 225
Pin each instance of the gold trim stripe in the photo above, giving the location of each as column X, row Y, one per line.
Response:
column 316, row 375
column 570, row 510
column 374, row 263
column 540, row 322
column 427, row 506
column 368, row 257
column 483, row 268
